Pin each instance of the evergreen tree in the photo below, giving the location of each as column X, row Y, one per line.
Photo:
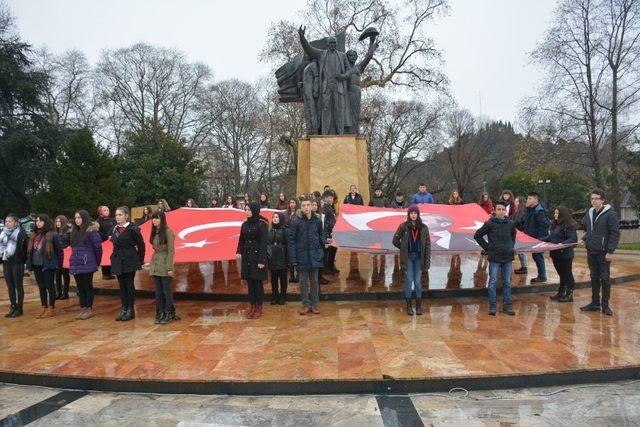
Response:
column 83, row 176
column 154, row 165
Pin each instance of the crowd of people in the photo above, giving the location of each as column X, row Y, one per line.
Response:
column 296, row 246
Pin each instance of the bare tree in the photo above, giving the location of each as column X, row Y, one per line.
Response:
column 574, row 74
column 406, row 57
column 145, row 82
column 403, row 137
column 68, row 88
column 235, row 133
column 620, row 22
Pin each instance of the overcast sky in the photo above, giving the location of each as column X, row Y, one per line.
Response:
column 485, row 42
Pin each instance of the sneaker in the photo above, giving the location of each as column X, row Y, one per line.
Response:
column 492, row 311
column 591, row 307
column 305, row 311
column 538, row 280
column 607, row 310
column 508, row 310
column 314, row 310
column 88, row 314
column 80, row 315
column 521, row 270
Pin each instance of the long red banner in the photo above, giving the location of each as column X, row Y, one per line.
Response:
column 212, row 234
column 363, row 228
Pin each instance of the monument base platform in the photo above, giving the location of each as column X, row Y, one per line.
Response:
column 350, row 347
column 334, row 160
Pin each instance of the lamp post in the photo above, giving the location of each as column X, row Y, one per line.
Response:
column 544, row 183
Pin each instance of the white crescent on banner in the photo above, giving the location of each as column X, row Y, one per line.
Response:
column 184, row 233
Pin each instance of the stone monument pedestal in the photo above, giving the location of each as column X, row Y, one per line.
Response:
column 334, row 160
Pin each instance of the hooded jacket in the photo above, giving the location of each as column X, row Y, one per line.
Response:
column 306, row 241
column 501, row 233
column 86, row 255
column 602, row 230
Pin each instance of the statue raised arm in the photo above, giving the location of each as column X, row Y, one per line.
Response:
column 308, row 49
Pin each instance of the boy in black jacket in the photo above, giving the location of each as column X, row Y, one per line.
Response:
column 501, row 232
column 601, row 240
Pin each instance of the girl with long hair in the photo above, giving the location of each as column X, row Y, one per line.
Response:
column 126, row 259
column 62, row 278
column 455, row 199
column 191, row 204
column 519, row 206
column 412, row 238
column 282, row 204
column 231, row 202
column 563, row 231
column 44, row 257
column 161, row 267
column 163, row 205
column 264, row 202
column 486, row 203
column 86, row 255
column 509, row 201
column 215, row 202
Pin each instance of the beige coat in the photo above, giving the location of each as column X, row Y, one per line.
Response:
column 162, row 260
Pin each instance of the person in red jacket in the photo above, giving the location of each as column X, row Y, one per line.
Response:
column 486, row 203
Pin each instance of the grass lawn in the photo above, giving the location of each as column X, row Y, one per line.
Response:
column 632, row 246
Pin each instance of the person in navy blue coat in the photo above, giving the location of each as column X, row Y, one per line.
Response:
column 536, row 225
column 306, row 251
column 563, row 231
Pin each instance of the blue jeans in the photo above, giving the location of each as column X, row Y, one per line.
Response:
column 538, row 257
column 523, row 259
column 494, row 269
column 413, row 275
column 309, row 297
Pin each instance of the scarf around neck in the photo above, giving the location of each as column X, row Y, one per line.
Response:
column 9, row 242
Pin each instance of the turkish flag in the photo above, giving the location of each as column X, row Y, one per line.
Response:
column 200, row 234
column 363, row 228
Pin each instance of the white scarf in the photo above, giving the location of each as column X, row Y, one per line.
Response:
column 8, row 242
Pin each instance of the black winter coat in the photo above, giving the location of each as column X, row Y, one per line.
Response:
column 356, row 200
column 502, row 239
column 562, row 235
column 252, row 245
column 277, row 248
column 306, row 242
column 128, row 250
column 602, row 231
column 106, row 227
column 536, row 222
column 329, row 212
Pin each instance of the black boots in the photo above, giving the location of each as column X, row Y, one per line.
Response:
column 18, row 311
column 127, row 313
column 567, row 297
column 558, row 294
column 409, row 306
column 521, row 270
column 12, row 309
column 419, row 311
column 591, row 307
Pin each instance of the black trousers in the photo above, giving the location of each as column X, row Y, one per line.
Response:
column 164, row 292
column 14, row 276
column 564, row 267
column 106, row 270
column 279, row 284
column 127, row 289
column 62, row 281
column 330, row 256
column 47, row 289
column 600, row 277
column 84, row 282
column 256, row 292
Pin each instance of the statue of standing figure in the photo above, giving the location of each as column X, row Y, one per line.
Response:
column 331, row 86
column 354, row 78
